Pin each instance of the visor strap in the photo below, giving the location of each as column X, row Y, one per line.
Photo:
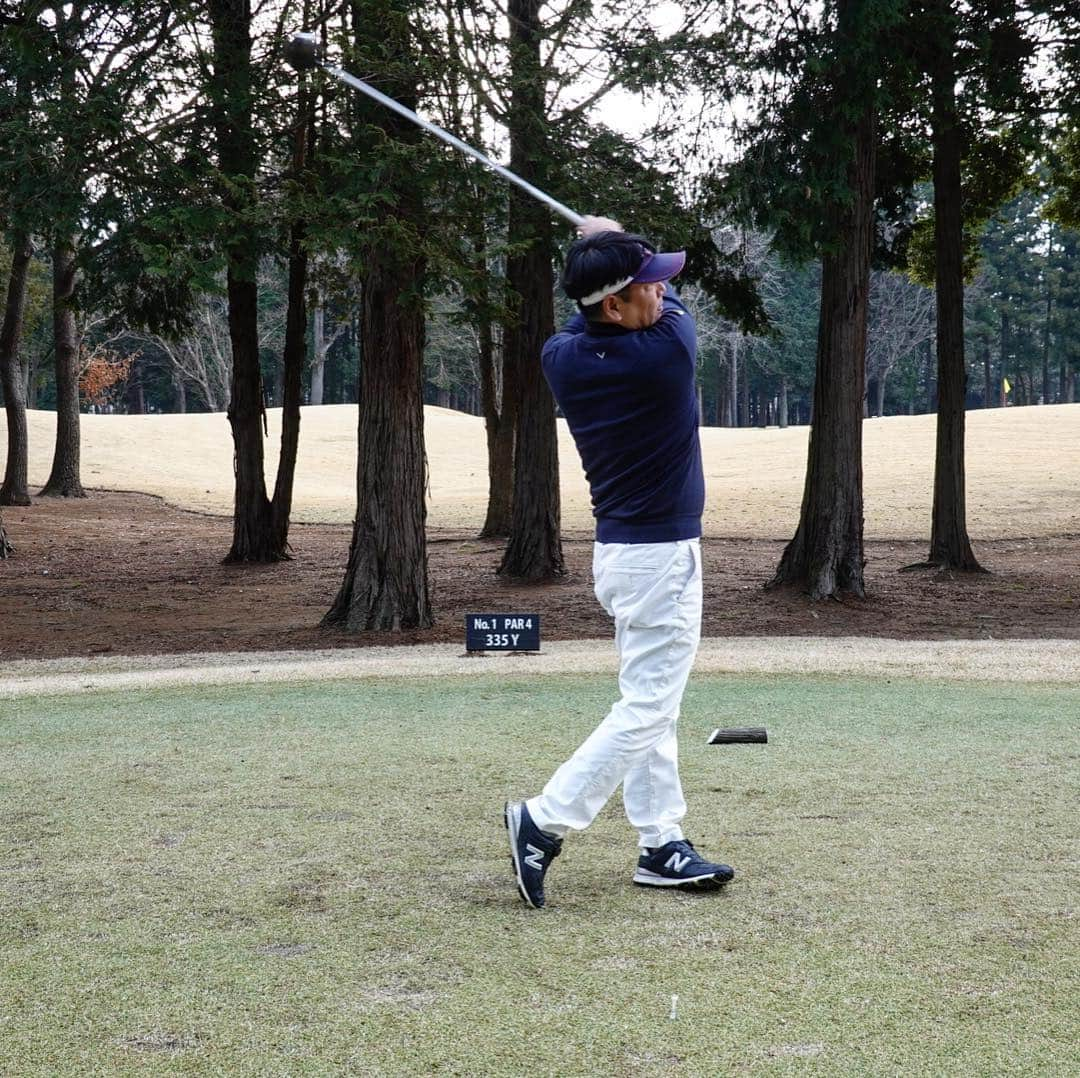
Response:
column 607, row 290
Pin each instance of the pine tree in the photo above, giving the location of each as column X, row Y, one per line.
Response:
column 949, row 544
column 808, row 175
column 260, row 522
column 77, row 69
column 534, row 549
column 386, row 580
column 232, row 95
column 972, row 61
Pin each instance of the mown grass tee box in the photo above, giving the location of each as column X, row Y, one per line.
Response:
column 314, row 879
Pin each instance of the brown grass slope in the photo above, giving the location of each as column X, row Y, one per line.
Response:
column 1023, row 467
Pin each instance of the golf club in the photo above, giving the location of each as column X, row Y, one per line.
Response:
column 303, row 53
column 739, row 735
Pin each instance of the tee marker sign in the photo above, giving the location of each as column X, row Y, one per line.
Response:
column 502, row 632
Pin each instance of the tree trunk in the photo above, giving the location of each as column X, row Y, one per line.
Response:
column 294, row 353
column 64, row 478
column 1047, row 392
column 231, row 92
column 14, row 489
column 783, row 410
column 500, row 421
column 988, row 375
column 386, row 580
column 931, row 378
column 1003, row 345
column 294, row 362
column 30, row 379
column 721, row 385
column 534, row 549
column 949, row 544
column 732, row 415
column 247, row 416
column 879, row 403
column 498, row 379
column 318, row 361
column 826, row 555
column 181, row 392
column 744, row 396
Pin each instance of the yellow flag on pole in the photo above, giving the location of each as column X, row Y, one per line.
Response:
column 1006, row 385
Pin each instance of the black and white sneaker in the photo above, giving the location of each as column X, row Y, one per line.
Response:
column 678, row 864
column 531, row 851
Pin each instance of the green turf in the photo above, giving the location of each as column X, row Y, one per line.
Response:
column 313, row 879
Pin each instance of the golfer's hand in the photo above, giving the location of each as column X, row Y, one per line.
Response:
column 598, row 224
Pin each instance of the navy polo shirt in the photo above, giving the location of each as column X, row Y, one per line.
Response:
column 630, row 400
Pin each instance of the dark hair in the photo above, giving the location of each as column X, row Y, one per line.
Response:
column 601, row 259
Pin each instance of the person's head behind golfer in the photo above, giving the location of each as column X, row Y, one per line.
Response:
column 619, row 278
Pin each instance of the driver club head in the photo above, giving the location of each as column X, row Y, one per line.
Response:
column 303, row 52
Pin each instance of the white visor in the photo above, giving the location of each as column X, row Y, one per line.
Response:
column 607, row 290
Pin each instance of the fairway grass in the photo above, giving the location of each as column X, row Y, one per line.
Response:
column 313, row 879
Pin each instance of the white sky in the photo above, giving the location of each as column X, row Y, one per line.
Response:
column 633, row 114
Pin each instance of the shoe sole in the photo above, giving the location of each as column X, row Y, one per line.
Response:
column 510, row 823
column 712, row 881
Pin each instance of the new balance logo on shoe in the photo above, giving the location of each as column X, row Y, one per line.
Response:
column 677, row 863
column 534, row 857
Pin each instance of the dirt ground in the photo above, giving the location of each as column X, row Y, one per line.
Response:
column 128, row 574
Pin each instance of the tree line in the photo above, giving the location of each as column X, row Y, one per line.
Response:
column 1021, row 332
column 189, row 224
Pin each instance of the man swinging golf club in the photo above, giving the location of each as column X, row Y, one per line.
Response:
column 622, row 371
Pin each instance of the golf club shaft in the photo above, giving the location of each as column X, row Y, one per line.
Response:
column 464, row 147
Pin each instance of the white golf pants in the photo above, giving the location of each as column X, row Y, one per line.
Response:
column 653, row 591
